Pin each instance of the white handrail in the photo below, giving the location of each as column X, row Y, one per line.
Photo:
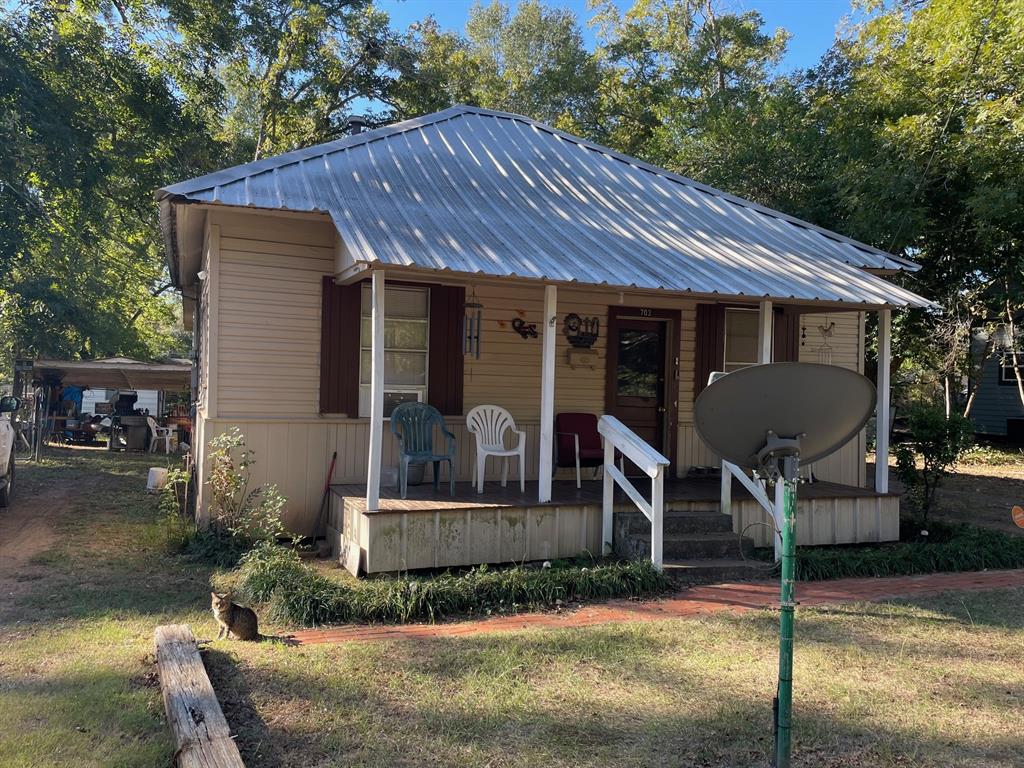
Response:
column 617, row 436
column 756, row 488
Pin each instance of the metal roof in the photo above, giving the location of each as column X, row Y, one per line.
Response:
column 115, row 372
column 474, row 191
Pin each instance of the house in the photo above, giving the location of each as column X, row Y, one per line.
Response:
column 326, row 285
column 996, row 408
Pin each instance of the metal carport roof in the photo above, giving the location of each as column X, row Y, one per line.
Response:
column 115, row 373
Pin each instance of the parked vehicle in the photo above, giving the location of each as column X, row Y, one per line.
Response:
column 8, row 405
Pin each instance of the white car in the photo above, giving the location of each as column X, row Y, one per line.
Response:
column 8, row 405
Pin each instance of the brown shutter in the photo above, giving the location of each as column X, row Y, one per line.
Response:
column 710, row 344
column 786, row 344
column 339, row 347
column 444, row 379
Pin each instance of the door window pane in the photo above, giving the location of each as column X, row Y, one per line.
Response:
column 639, row 355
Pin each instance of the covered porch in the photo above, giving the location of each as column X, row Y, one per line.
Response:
column 432, row 529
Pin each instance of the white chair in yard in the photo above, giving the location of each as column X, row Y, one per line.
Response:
column 488, row 424
column 159, row 433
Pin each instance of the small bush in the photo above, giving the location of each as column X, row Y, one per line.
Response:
column 247, row 516
column 940, row 442
column 949, row 548
column 298, row 594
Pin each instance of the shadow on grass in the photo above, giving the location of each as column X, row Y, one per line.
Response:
column 254, row 740
column 353, row 707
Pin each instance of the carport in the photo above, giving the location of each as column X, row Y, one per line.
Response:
column 121, row 373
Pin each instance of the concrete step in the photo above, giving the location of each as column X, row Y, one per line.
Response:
column 713, row 571
column 691, row 546
column 675, row 522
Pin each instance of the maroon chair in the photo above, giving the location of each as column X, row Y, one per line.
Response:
column 577, row 442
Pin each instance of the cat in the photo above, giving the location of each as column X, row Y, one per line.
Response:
column 233, row 619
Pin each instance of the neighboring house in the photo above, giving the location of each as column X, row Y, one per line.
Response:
column 997, row 409
column 281, row 261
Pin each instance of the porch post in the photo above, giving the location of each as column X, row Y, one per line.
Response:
column 376, row 392
column 547, row 393
column 882, row 409
column 764, row 333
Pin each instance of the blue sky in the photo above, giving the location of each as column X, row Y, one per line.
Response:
column 812, row 23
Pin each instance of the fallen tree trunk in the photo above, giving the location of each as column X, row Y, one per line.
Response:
column 201, row 734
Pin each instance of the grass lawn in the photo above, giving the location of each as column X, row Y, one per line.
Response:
column 936, row 682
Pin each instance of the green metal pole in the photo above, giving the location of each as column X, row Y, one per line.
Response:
column 787, row 604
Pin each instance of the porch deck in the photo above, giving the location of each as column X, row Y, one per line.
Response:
column 432, row 529
column 696, row 490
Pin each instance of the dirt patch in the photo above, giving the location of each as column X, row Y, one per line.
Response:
column 45, row 501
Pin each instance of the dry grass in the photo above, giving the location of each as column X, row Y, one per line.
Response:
column 935, row 683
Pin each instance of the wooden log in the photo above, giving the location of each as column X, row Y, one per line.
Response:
column 201, row 734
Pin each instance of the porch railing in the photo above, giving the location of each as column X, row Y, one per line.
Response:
column 618, row 437
column 758, row 489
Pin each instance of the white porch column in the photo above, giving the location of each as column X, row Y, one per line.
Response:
column 376, row 392
column 764, row 333
column 547, row 393
column 882, row 408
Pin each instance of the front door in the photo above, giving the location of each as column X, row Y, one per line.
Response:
column 637, row 376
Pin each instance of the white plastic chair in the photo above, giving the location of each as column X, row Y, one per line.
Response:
column 488, row 424
column 159, row 433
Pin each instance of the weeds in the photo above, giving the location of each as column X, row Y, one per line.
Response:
column 298, row 594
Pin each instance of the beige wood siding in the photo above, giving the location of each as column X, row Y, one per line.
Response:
column 269, row 314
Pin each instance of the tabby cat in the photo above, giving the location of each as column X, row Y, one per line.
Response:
column 234, row 619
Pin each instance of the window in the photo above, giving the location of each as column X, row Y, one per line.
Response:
column 740, row 339
column 1007, row 375
column 406, row 336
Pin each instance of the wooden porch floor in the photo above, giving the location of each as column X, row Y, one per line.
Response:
column 423, row 498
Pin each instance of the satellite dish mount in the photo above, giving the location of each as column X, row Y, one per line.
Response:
column 766, row 418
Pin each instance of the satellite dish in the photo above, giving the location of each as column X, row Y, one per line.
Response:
column 824, row 405
column 770, row 418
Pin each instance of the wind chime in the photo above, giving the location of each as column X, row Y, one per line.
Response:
column 471, row 324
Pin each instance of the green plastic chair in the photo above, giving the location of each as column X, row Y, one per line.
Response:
column 413, row 424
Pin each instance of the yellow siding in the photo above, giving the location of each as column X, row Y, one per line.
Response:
column 269, row 320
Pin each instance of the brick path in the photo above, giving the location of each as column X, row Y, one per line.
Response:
column 697, row 601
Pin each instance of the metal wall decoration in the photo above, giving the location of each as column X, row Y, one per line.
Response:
column 581, row 332
column 471, row 324
column 825, row 350
column 524, row 329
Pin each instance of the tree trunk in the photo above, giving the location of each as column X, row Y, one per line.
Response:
column 1013, row 347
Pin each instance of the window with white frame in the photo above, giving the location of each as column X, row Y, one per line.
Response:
column 740, row 338
column 406, row 346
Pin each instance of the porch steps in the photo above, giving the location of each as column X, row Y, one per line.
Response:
column 699, row 544
column 714, row 571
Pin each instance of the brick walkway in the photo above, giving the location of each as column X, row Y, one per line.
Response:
column 698, row 601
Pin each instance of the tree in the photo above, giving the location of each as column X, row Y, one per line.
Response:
column 531, row 61
column 88, row 132
column 940, row 174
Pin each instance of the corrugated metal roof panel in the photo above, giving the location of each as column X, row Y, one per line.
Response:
column 482, row 192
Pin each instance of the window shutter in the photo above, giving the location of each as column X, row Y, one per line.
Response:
column 339, row 348
column 710, row 344
column 444, row 379
column 786, row 342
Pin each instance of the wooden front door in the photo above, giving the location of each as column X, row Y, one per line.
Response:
column 641, row 375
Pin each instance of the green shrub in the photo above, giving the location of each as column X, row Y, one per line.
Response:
column 949, row 548
column 939, row 441
column 249, row 516
column 297, row 594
